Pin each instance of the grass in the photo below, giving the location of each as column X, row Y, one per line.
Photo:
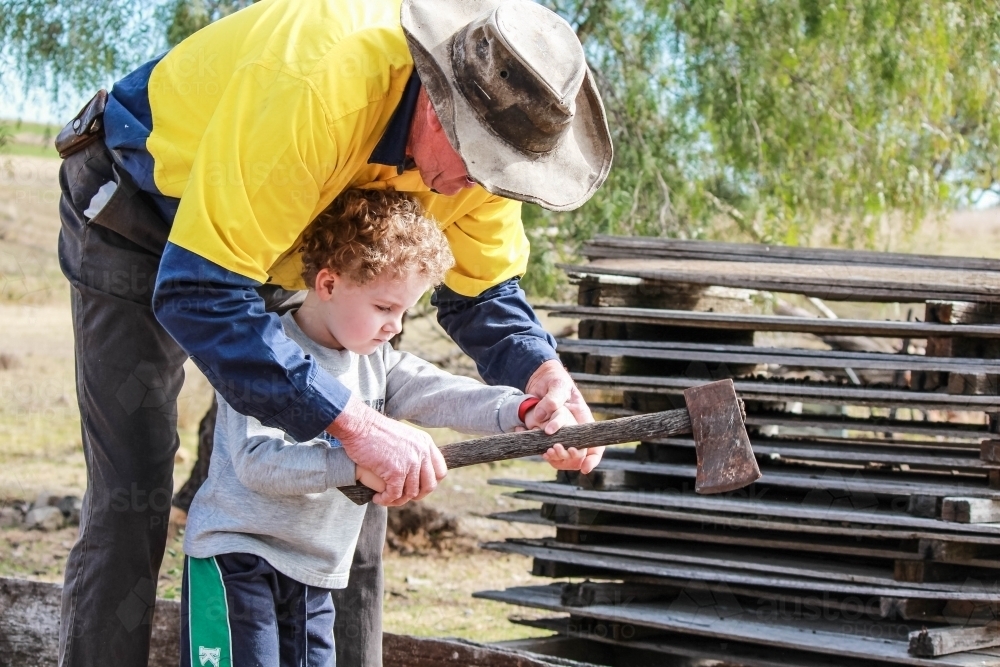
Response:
column 29, row 139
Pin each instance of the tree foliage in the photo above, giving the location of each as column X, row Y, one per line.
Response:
column 78, row 43
column 790, row 121
column 181, row 18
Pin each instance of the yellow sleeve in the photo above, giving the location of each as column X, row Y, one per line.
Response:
column 489, row 245
column 257, row 176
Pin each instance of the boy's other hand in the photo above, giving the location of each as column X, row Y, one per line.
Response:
column 558, row 456
column 369, row 479
column 583, row 460
column 403, row 457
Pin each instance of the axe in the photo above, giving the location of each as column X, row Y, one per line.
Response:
column 714, row 416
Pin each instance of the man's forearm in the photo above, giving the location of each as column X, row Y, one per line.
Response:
column 218, row 318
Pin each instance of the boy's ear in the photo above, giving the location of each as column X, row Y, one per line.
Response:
column 326, row 281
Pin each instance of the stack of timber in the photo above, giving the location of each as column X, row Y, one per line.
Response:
column 873, row 535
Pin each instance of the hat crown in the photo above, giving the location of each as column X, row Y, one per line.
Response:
column 521, row 66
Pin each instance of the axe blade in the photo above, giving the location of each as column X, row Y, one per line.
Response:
column 725, row 458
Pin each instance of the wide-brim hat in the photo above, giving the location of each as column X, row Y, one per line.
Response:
column 512, row 90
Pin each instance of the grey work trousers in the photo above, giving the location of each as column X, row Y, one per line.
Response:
column 128, row 375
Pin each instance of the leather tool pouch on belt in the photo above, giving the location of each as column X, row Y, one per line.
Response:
column 85, row 128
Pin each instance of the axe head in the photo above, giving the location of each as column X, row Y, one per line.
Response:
column 725, row 459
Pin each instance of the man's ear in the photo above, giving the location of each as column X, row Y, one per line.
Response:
column 326, row 281
column 432, row 118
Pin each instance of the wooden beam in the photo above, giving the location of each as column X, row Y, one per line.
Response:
column 604, row 245
column 849, row 283
column 970, row 510
column 722, row 620
column 741, row 322
column 990, row 452
column 806, row 393
column 744, row 506
column 945, row 641
column 29, row 626
column 846, row 480
column 749, row 355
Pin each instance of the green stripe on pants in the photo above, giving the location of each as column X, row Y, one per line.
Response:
column 208, row 615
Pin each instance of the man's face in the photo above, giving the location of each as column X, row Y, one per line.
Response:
column 441, row 168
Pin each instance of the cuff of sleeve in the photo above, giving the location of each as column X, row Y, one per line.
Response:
column 526, row 404
column 525, row 358
column 340, row 469
column 507, row 418
column 314, row 410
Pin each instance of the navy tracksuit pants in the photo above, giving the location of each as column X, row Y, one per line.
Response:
column 238, row 611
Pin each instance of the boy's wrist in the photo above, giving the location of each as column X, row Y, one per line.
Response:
column 526, row 405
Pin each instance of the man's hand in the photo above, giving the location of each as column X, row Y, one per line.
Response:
column 558, row 392
column 405, row 458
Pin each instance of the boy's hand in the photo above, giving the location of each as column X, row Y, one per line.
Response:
column 368, row 478
column 558, row 456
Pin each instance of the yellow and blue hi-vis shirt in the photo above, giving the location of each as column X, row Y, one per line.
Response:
column 246, row 131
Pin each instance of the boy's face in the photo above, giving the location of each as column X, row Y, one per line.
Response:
column 363, row 317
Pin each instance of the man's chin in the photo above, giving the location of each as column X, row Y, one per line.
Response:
column 449, row 189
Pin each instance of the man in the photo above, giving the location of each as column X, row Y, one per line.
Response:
column 181, row 228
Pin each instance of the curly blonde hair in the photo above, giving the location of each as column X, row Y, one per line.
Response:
column 365, row 233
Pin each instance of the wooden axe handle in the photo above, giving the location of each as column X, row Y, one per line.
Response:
column 531, row 443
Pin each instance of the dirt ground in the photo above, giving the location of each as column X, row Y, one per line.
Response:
column 40, row 449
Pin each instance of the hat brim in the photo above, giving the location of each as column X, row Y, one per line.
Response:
column 561, row 180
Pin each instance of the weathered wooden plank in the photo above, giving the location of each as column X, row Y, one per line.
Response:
column 674, row 248
column 945, row 641
column 852, row 482
column 748, row 355
column 875, row 425
column 737, row 624
column 742, row 322
column 854, row 451
column 29, row 626
column 624, row 293
column 971, row 510
column 856, row 283
column 693, row 650
column 620, row 513
column 735, row 538
column 765, row 563
column 745, row 504
column 407, row 651
column 614, row 567
column 806, row 393
column 958, row 312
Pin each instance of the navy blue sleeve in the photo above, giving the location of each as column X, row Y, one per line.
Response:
column 499, row 330
column 218, row 318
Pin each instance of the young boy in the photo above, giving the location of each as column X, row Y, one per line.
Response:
column 268, row 534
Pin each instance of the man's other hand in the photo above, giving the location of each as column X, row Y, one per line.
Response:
column 557, row 391
column 403, row 457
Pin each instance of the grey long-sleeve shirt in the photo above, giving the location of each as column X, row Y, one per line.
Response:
column 276, row 498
